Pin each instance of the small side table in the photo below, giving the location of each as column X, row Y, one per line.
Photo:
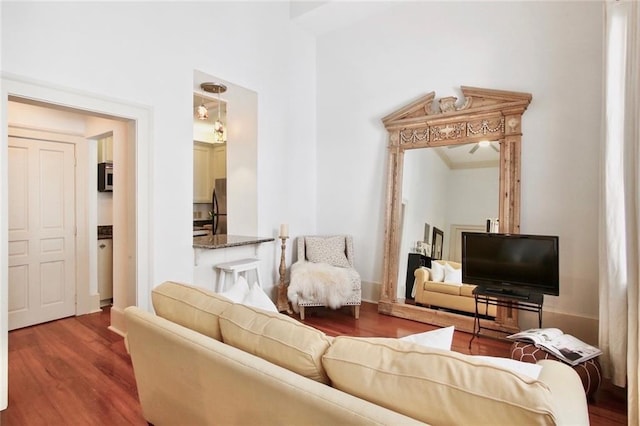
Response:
column 589, row 371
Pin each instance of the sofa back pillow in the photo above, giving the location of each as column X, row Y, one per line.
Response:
column 435, row 386
column 193, row 307
column 276, row 338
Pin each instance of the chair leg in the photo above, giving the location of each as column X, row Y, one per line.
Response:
column 356, row 311
column 301, row 313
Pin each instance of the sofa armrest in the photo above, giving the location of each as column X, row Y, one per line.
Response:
column 567, row 392
column 421, row 275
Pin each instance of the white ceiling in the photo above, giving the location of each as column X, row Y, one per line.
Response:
column 459, row 156
column 320, row 17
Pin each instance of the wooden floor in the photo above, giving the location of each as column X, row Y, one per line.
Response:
column 71, row 372
column 76, row 372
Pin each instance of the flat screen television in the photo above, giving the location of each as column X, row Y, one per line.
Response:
column 511, row 264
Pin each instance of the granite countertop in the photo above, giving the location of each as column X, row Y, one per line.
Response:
column 224, row 241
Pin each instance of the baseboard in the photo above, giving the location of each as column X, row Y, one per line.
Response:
column 371, row 291
column 94, row 303
column 583, row 328
column 118, row 324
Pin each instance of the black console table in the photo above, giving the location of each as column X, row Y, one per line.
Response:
column 483, row 296
column 415, row 261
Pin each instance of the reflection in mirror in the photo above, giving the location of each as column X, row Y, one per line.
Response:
column 209, row 167
column 450, row 189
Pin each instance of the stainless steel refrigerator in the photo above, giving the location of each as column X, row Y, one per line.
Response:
column 219, row 207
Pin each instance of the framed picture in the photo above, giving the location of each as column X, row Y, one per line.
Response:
column 427, row 234
column 437, row 240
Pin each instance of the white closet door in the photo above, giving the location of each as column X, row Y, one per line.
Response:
column 42, row 284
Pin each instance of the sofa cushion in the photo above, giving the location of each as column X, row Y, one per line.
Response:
column 442, row 288
column 276, row 338
column 435, row 386
column 467, row 290
column 192, row 307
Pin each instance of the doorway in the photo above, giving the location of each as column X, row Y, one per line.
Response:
column 134, row 183
column 84, row 211
column 139, row 272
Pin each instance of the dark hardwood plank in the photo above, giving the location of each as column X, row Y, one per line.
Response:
column 76, row 372
column 71, row 371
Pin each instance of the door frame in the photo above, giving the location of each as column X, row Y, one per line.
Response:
column 142, row 116
column 456, row 235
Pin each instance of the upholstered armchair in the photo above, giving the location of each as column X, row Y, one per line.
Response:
column 324, row 274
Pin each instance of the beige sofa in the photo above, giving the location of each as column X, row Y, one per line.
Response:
column 443, row 295
column 205, row 360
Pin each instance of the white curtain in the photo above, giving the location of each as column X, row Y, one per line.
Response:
column 619, row 203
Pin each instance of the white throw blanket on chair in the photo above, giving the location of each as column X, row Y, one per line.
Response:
column 319, row 283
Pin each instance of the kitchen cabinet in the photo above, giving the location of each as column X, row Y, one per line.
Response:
column 209, row 164
column 219, row 162
column 105, row 149
column 202, row 180
column 105, row 271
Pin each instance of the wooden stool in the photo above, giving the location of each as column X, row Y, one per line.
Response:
column 237, row 267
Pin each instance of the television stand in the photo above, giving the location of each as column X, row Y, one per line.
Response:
column 531, row 302
column 506, row 293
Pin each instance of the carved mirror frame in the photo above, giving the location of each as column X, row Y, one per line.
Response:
column 486, row 114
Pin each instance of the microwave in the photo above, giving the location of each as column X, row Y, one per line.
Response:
column 105, row 177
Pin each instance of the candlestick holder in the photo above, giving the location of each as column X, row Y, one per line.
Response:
column 283, row 301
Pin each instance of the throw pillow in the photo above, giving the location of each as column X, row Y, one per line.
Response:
column 329, row 250
column 238, row 290
column 452, row 275
column 525, row 368
column 259, row 299
column 436, row 272
column 439, row 339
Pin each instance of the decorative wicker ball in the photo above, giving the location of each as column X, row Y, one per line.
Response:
column 589, row 371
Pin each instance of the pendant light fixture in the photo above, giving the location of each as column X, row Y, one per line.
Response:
column 219, row 129
column 202, row 113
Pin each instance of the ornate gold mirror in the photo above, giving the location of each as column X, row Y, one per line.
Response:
column 486, row 115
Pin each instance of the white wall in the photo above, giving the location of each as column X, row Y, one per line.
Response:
column 145, row 54
column 549, row 49
column 472, row 195
column 105, row 49
column 472, row 199
column 334, row 91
